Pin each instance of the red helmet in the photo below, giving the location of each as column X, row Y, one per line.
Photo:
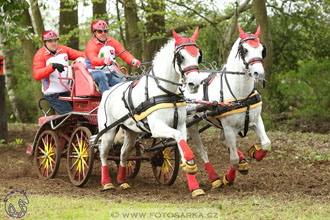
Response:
column 99, row 25
column 49, row 35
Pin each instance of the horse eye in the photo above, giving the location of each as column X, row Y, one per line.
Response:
column 182, row 57
column 245, row 50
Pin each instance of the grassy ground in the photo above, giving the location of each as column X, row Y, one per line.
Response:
column 53, row 207
column 292, row 182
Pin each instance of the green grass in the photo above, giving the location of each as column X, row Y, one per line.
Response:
column 255, row 207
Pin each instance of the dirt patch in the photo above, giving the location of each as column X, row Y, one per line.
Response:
column 281, row 174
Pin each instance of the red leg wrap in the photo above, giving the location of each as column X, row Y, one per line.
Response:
column 187, row 153
column 231, row 175
column 192, row 182
column 105, row 175
column 212, row 174
column 241, row 156
column 259, row 154
column 121, row 177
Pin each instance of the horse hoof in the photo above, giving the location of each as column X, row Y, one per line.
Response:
column 108, row 186
column 216, row 184
column 197, row 192
column 189, row 168
column 124, row 186
column 243, row 167
column 252, row 150
column 225, row 182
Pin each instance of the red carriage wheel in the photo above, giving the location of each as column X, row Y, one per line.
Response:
column 167, row 170
column 80, row 156
column 47, row 154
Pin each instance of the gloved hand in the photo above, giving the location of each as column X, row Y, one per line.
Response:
column 59, row 67
column 108, row 61
column 136, row 63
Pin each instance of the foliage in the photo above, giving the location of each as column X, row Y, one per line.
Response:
column 10, row 17
column 303, row 93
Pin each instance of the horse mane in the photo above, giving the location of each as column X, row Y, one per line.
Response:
column 164, row 55
column 233, row 52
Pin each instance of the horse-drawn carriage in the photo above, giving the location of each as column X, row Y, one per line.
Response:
column 151, row 113
column 69, row 136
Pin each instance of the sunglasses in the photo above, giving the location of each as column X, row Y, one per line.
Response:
column 100, row 31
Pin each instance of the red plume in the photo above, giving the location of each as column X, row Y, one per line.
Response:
column 194, row 36
column 258, row 31
column 241, row 32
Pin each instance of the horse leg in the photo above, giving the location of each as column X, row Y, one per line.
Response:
column 187, row 156
column 201, row 149
column 106, row 142
column 256, row 151
column 230, row 142
column 129, row 142
column 242, row 166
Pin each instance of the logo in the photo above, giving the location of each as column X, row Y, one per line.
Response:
column 66, row 58
column 15, row 204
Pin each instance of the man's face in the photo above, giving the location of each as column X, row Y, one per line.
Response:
column 52, row 45
column 101, row 35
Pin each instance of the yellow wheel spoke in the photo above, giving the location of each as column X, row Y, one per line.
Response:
column 51, row 159
column 41, row 150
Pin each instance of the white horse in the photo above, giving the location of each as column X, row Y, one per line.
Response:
column 235, row 82
column 176, row 61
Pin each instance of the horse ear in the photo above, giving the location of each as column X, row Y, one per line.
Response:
column 194, row 36
column 241, row 32
column 258, row 31
column 175, row 35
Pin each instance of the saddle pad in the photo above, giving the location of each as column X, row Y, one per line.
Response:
column 139, row 117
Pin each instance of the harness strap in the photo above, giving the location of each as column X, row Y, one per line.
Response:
column 246, row 123
column 107, row 128
column 176, row 116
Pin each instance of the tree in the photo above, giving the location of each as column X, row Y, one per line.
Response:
column 68, row 29
column 132, row 29
column 154, row 27
column 100, row 9
column 260, row 13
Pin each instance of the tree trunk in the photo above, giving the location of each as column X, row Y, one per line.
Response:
column 11, row 81
column 29, row 51
column 69, row 23
column 227, row 41
column 39, row 24
column 132, row 29
column 155, row 27
column 100, row 10
column 260, row 13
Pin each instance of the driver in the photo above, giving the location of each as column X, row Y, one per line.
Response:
column 102, row 50
column 49, row 61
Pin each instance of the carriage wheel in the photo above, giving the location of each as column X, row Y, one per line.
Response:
column 168, row 171
column 133, row 166
column 80, row 156
column 47, row 155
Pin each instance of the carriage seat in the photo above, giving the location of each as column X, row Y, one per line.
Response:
column 84, row 83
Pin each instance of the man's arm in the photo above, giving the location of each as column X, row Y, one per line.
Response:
column 40, row 70
column 126, row 56
column 92, row 55
column 72, row 53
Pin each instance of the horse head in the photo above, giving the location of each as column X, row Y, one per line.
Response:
column 187, row 56
column 252, row 53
